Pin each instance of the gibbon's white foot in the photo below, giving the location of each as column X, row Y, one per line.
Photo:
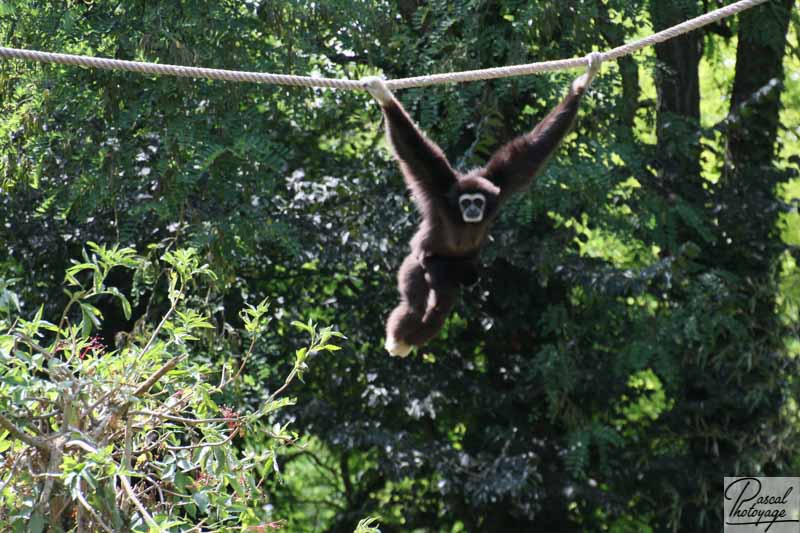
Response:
column 582, row 83
column 396, row 348
column 378, row 89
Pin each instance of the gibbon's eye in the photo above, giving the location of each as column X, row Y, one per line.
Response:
column 464, row 203
column 478, row 203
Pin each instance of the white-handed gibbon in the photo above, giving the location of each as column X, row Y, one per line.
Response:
column 457, row 209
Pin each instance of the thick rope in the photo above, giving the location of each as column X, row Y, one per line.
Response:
column 177, row 70
column 419, row 81
column 577, row 62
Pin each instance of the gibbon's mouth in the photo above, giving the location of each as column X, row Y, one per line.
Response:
column 472, row 216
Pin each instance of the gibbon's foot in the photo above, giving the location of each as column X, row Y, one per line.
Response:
column 396, row 348
column 378, row 89
column 582, row 83
column 431, row 304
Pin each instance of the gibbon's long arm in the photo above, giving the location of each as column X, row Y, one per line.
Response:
column 513, row 167
column 423, row 162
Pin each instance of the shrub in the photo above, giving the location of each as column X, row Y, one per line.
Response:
column 134, row 437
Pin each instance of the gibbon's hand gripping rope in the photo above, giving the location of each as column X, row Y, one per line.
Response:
column 418, row 81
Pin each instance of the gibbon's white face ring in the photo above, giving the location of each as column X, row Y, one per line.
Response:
column 472, row 206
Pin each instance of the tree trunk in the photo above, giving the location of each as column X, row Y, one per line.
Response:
column 678, row 123
column 749, row 207
column 755, row 102
column 614, row 35
column 678, row 86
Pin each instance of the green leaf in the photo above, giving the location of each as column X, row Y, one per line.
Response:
column 304, row 327
column 126, row 305
column 201, row 499
column 331, row 347
column 7, row 9
column 6, row 345
column 36, row 524
column 91, row 318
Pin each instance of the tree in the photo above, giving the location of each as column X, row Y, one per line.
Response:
column 635, row 312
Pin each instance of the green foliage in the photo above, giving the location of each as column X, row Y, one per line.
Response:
column 368, row 525
column 134, row 438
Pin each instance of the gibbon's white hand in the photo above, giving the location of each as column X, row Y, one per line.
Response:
column 581, row 83
column 378, row 89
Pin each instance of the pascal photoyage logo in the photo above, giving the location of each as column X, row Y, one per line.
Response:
column 759, row 504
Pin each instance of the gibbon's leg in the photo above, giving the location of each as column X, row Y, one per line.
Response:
column 407, row 316
column 444, row 275
column 401, row 319
column 440, row 303
column 412, row 323
column 435, row 277
column 406, row 328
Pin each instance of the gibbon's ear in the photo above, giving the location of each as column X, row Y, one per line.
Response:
column 514, row 166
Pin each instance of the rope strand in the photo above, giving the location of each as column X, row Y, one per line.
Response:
column 403, row 83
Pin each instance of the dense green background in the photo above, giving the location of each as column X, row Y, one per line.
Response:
column 634, row 336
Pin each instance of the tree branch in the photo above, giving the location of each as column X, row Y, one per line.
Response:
column 204, row 444
column 149, row 382
column 183, row 420
column 91, row 510
column 145, row 515
column 19, row 434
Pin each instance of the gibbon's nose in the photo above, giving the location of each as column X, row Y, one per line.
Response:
column 473, row 214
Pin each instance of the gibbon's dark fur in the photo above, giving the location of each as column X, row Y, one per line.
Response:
column 445, row 248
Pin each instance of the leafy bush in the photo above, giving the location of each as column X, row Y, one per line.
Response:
column 135, row 437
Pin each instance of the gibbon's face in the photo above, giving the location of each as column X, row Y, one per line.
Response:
column 475, row 197
column 472, row 206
